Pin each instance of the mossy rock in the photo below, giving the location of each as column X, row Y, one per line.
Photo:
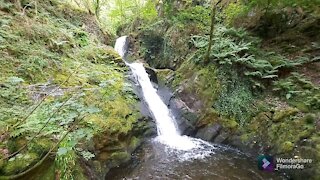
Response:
column 245, row 137
column 163, row 75
column 305, row 134
column 15, row 144
column 41, row 146
column 120, row 156
column 259, row 121
column 209, row 117
column 134, row 143
column 230, row 123
column 286, row 147
column 282, row 114
column 301, row 106
column 309, row 118
column 19, row 163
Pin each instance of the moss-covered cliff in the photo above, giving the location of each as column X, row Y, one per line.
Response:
column 67, row 110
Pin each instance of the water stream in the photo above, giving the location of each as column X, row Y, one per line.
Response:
column 173, row 156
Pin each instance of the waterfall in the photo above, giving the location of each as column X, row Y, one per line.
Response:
column 168, row 133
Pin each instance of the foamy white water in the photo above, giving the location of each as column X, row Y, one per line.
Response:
column 168, row 133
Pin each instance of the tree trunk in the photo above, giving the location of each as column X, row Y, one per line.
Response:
column 97, row 9
column 213, row 17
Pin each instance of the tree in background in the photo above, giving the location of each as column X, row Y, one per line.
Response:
column 94, row 7
column 124, row 11
column 213, row 17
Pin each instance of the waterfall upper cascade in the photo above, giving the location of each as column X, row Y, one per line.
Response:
column 168, row 133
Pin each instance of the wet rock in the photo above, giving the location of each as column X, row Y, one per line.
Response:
column 209, row 132
column 165, row 94
column 236, row 141
column 145, row 127
column 165, row 76
column 221, row 138
column 118, row 158
column 152, row 74
column 193, row 104
column 186, row 127
column 185, row 118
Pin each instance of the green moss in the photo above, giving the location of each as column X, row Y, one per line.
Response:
column 118, row 157
column 232, row 11
column 2, row 161
column 79, row 172
column 49, row 173
column 209, row 117
column 245, row 137
column 41, row 145
column 163, row 75
column 309, row 119
column 20, row 162
column 15, row 144
column 282, row 114
column 230, row 123
column 305, row 133
column 134, row 143
column 301, row 106
column 287, row 147
column 260, row 120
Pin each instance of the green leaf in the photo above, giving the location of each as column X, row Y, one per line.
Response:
column 270, row 76
column 62, row 151
column 288, row 96
column 87, row 155
column 72, row 143
column 15, row 80
column 93, row 109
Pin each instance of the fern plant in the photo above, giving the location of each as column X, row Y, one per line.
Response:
column 235, row 48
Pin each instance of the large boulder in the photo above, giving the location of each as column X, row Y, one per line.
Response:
column 152, row 74
column 186, row 118
column 208, row 133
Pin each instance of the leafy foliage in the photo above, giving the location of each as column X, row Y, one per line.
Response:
column 197, row 15
column 236, row 49
column 277, row 4
column 297, row 89
column 236, row 99
column 125, row 11
column 45, row 55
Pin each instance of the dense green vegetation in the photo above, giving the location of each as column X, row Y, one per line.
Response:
column 61, row 89
column 65, row 98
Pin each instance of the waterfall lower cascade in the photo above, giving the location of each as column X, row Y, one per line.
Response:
column 168, row 133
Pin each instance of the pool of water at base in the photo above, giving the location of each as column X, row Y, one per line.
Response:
column 154, row 160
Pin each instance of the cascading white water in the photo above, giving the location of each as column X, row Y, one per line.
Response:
column 168, row 133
